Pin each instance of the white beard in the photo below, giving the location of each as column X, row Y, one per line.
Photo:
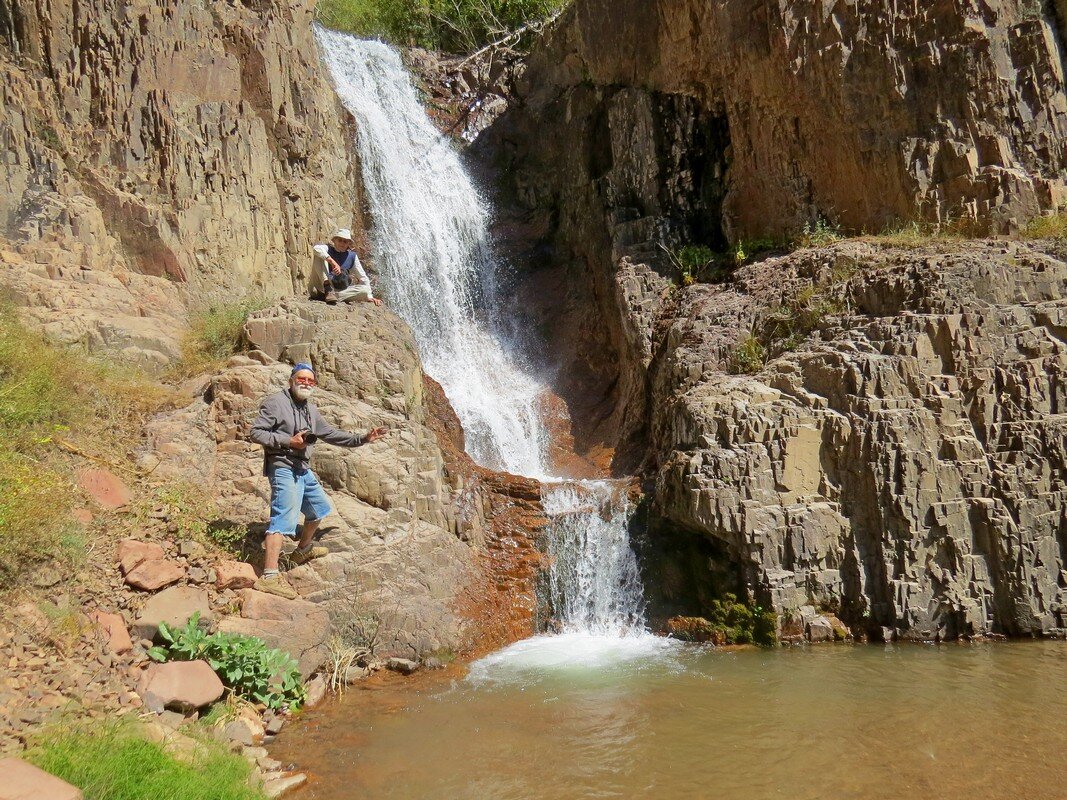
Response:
column 303, row 393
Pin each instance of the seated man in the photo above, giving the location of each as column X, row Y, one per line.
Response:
column 343, row 276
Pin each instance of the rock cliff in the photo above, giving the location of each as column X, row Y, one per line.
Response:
column 896, row 460
column 161, row 154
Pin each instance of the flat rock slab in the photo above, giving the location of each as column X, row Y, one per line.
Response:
column 155, row 574
column 113, row 628
column 133, row 552
column 22, row 781
column 180, row 686
column 276, row 787
column 401, row 665
column 297, row 627
column 105, row 487
column 234, row 575
column 174, row 606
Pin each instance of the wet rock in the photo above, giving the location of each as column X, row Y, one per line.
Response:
column 401, row 665
column 273, row 723
column 695, row 629
column 276, row 787
column 316, row 691
column 234, row 575
column 820, row 629
column 180, row 686
column 153, row 575
column 175, row 606
column 22, row 781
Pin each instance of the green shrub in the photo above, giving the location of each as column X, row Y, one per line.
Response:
column 749, row 357
column 820, row 234
column 456, row 26
column 1053, row 226
column 243, row 663
column 110, row 761
column 743, row 624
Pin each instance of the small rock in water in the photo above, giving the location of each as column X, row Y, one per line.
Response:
column 401, row 665
column 276, row 787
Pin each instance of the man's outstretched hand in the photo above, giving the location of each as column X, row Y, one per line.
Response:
column 375, row 434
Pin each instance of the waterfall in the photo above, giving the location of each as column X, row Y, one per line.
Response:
column 432, row 251
column 431, row 247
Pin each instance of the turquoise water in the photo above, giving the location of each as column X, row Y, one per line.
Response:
column 670, row 721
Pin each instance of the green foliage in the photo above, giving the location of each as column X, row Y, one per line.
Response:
column 1053, row 226
column 214, row 335
column 749, row 357
column 742, row 624
column 796, row 319
column 110, row 761
column 820, row 234
column 243, row 663
column 456, row 26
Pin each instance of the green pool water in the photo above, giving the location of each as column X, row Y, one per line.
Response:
column 579, row 717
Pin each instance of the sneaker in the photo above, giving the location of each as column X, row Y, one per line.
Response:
column 299, row 556
column 277, row 585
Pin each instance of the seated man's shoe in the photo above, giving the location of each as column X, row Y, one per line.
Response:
column 276, row 585
column 299, row 556
column 329, row 295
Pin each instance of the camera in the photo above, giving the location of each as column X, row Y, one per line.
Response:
column 309, row 437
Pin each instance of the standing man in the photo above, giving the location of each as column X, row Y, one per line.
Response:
column 342, row 274
column 288, row 426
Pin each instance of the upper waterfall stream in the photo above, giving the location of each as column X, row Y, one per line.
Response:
column 432, row 250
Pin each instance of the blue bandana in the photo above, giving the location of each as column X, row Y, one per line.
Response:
column 302, row 366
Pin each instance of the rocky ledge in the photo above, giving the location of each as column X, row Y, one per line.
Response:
column 899, row 458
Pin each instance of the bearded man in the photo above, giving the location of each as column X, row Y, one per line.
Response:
column 288, row 426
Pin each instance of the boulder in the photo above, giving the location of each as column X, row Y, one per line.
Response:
column 113, row 628
column 22, row 781
column 820, row 629
column 234, row 575
column 105, row 487
column 316, row 691
column 132, row 552
column 153, row 575
column 401, row 665
column 180, row 686
column 173, row 606
column 298, row 627
column 244, row 730
column 276, row 787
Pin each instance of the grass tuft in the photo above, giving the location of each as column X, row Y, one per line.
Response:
column 1053, row 226
column 215, row 334
column 110, row 761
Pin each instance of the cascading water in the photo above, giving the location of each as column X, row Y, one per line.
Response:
column 433, row 254
column 430, row 240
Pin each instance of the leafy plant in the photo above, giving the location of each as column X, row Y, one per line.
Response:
column 743, row 624
column 243, row 663
column 214, row 335
column 820, row 234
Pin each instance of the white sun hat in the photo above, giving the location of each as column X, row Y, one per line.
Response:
column 342, row 233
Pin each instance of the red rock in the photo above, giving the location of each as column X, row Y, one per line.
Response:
column 22, row 781
column 180, row 686
column 132, row 552
column 293, row 626
column 234, row 575
column 105, row 487
column 155, row 574
column 114, row 629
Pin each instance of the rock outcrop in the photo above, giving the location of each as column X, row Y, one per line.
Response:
column 160, row 155
column 410, row 538
column 639, row 128
column 900, row 459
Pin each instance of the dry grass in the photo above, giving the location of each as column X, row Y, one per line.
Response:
column 215, row 334
column 1053, row 226
column 59, row 409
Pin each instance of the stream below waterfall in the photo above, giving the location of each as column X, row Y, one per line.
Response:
column 601, row 708
column 954, row 722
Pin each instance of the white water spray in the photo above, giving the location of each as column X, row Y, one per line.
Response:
column 430, row 242
column 431, row 246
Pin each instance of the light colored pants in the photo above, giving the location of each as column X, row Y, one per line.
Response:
column 360, row 293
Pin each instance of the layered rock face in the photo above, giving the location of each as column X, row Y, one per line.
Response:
column 162, row 154
column 641, row 127
column 411, row 535
column 901, row 458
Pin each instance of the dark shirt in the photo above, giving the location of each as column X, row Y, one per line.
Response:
column 346, row 260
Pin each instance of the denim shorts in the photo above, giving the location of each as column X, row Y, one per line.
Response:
column 293, row 494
